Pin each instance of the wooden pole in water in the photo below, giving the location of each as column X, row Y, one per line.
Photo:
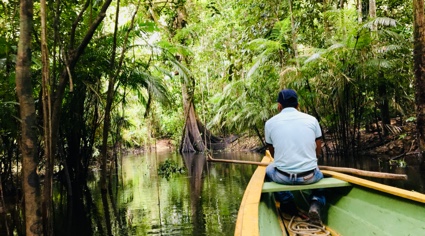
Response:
column 365, row 173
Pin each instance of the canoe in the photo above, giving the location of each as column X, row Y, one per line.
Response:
column 355, row 206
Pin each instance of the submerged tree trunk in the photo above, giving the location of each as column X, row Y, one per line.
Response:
column 24, row 90
column 419, row 68
column 196, row 137
column 192, row 140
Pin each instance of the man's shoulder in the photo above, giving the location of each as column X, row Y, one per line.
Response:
column 306, row 115
column 273, row 118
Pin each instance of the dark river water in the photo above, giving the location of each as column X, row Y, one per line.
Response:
column 203, row 200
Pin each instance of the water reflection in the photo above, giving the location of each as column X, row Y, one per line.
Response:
column 414, row 171
column 202, row 201
column 195, row 166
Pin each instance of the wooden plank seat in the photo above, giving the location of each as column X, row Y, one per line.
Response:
column 328, row 182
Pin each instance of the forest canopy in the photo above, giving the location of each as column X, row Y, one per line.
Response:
column 81, row 79
column 350, row 65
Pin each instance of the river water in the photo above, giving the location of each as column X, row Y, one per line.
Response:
column 203, row 200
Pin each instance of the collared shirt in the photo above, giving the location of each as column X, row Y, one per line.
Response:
column 293, row 135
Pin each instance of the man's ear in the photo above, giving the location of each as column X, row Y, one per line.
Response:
column 279, row 107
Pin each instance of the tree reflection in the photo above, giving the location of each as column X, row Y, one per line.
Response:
column 195, row 165
column 139, row 202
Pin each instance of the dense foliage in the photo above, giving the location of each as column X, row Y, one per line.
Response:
column 352, row 68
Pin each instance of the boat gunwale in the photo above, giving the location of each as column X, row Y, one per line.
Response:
column 403, row 193
column 248, row 224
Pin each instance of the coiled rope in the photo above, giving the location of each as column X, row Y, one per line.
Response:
column 300, row 227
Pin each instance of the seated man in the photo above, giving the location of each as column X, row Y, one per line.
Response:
column 294, row 140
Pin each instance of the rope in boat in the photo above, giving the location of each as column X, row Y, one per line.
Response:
column 302, row 227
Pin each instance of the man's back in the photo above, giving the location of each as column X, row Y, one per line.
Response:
column 293, row 135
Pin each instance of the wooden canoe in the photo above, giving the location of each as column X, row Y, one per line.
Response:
column 355, row 206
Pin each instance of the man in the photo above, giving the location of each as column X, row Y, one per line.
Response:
column 294, row 140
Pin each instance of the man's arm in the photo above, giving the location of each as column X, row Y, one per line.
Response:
column 318, row 147
column 271, row 149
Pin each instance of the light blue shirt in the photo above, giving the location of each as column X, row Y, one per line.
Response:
column 293, row 135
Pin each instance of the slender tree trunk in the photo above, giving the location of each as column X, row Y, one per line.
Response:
column 111, row 90
column 71, row 58
column 384, row 106
column 359, row 11
column 108, row 107
column 419, row 68
column 47, row 204
column 3, row 209
column 24, row 89
column 372, row 13
column 341, row 4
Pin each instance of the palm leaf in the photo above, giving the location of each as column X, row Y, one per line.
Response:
column 380, row 21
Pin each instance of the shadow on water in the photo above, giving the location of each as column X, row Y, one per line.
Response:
column 203, row 200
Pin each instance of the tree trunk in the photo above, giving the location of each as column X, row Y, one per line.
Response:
column 108, row 107
column 192, row 140
column 293, row 34
column 3, row 209
column 71, row 59
column 196, row 137
column 24, row 89
column 419, row 68
column 372, row 13
column 111, row 89
column 384, row 106
column 47, row 204
column 359, row 11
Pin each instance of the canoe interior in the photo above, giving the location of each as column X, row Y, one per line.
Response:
column 353, row 211
column 361, row 211
column 269, row 223
column 362, row 208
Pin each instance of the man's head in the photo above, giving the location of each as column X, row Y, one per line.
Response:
column 287, row 98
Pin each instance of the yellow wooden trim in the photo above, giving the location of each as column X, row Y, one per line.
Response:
column 247, row 222
column 415, row 196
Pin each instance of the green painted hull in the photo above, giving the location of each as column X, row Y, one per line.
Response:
column 355, row 206
column 354, row 211
column 362, row 211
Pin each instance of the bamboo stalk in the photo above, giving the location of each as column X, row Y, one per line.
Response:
column 365, row 173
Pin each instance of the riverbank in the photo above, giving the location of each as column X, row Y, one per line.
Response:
column 398, row 147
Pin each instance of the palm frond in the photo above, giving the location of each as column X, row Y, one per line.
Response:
column 380, row 63
column 389, row 48
column 380, row 21
column 313, row 57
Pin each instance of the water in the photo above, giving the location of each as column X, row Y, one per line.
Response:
column 202, row 201
column 413, row 168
